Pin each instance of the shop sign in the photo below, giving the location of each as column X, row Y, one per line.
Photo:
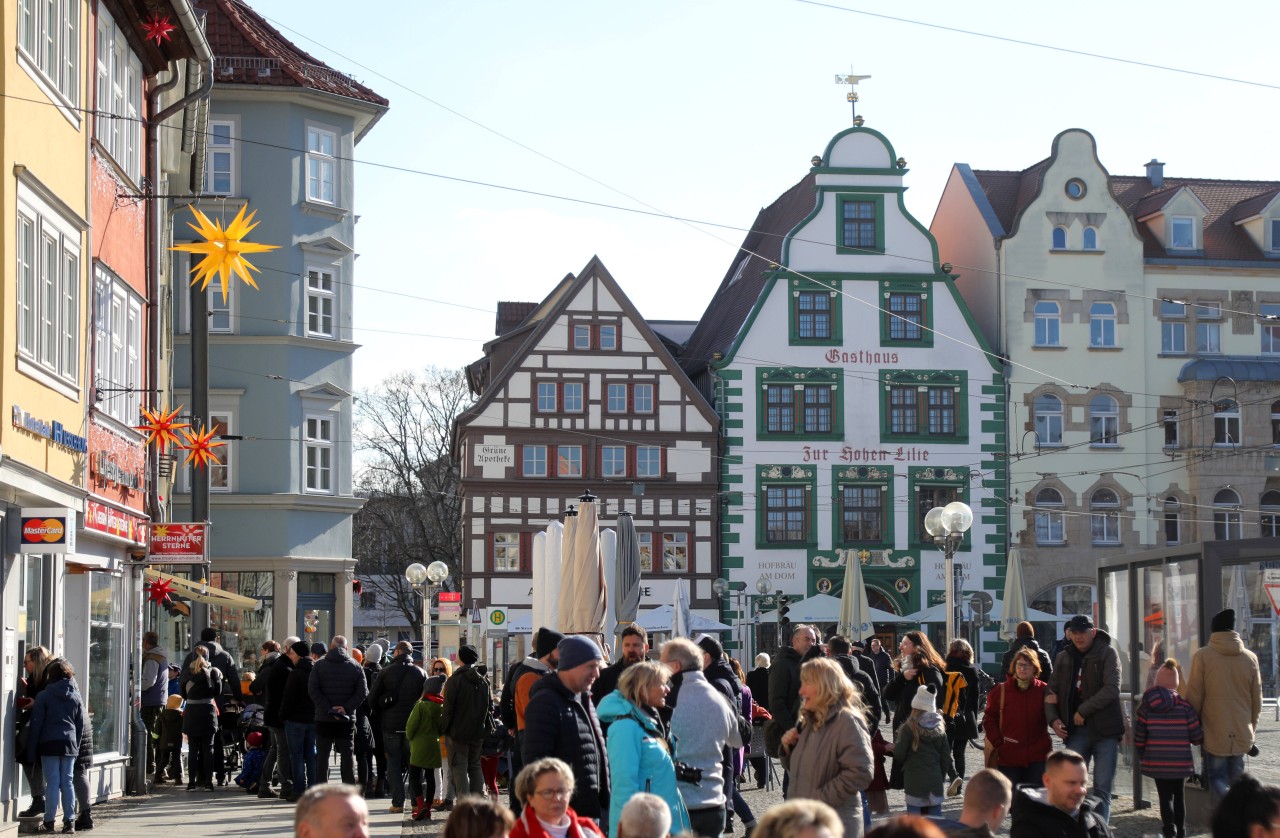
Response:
column 450, row 606
column 48, row 530
column 177, row 543
column 52, row 431
column 102, row 518
column 495, row 455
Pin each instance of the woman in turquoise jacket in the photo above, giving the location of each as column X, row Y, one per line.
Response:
column 639, row 755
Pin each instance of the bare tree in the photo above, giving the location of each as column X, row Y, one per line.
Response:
column 412, row 512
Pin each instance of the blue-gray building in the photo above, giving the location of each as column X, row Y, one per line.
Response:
column 282, row 133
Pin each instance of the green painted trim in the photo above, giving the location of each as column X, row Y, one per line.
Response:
column 729, row 538
column 733, row 498
column 831, row 144
column 858, row 188
column 955, row 379
column 731, row 423
column 734, row 442
column 787, row 475
column 797, row 286
column 948, row 476
column 922, row 286
column 879, row 476
column 846, row 197
column 726, row 520
column 853, row 170
column 788, row 376
column 730, row 375
column 731, row 562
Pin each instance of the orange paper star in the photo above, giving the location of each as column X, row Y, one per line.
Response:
column 223, row 250
column 160, row 426
column 200, row 447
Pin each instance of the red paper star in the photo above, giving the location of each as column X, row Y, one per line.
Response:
column 157, row 29
column 200, row 447
column 159, row 590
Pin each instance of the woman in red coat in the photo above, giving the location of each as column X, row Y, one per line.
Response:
column 1015, row 722
column 543, row 788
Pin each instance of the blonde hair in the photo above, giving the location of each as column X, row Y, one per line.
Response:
column 40, row 659
column 200, row 663
column 448, row 666
column 527, row 779
column 834, row 691
column 638, row 678
column 794, row 816
column 913, row 724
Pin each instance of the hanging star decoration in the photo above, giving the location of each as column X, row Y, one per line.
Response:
column 199, row 447
column 161, row 427
column 157, row 29
column 223, row 250
column 159, row 590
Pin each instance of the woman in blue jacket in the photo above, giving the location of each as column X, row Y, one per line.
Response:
column 639, row 754
column 57, row 724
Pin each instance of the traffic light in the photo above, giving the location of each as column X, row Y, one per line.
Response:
column 784, row 621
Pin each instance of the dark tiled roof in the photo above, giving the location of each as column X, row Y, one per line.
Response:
column 745, row 278
column 255, row 53
column 1010, row 193
column 1253, row 206
column 511, row 315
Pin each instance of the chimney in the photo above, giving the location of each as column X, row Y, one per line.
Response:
column 1155, row 173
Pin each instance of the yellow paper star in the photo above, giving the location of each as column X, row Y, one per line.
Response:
column 223, row 250
column 160, row 427
column 200, row 447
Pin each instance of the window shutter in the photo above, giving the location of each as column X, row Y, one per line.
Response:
column 520, row 455
column 631, row 461
column 662, row 457
column 488, row 552
column 526, row 552
column 599, row 460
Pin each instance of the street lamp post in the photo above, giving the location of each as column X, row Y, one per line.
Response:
column 424, row 580
column 947, row 525
column 734, row 592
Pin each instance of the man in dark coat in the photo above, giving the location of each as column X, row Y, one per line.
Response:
column 560, row 721
column 274, row 677
column 337, row 688
column 298, row 712
column 635, row 648
column 545, row 658
column 884, row 664
column 1026, row 638
column 397, row 690
column 842, row 653
column 865, row 663
column 784, row 686
column 1062, row 807
column 466, row 704
column 221, row 661
column 155, row 692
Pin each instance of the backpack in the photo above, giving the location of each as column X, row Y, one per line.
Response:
column 507, row 703
column 951, row 697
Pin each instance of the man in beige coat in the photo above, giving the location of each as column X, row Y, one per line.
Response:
column 1225, row 688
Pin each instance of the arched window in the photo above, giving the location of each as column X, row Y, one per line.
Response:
column 1104, row 420
column 1172, row 520
column 1090, row 238
column 1048, row 323
column 1226, row 515
column 1271, row 514
column 1102, row 324
column 1049, row 529
column 1226, row 424
column 1104, row 517
column 1059, row 238
column 1048, row 413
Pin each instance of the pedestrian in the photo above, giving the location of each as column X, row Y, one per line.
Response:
column 493, row 749
column 561, row 722
column 175, row 679
column 371, row 758
column 57, row 724
column 919, row 665
column 831, row 757
column 1014, row 724
column 34, row 663
column 154, row 683
column 80, row 779
column 399, row 687
column 702, row 724
column 515, row 698
column 442, row 668
column 987, row 796
column 1025, row 638
column 758, row 683
column 1250, row 809
column 168, row 736
column 201, row 687
column 1225, row 689
column 466, row 708
column 331, row 811
column 634, row 648
column 784, row 691
column 423, row 730
column 922, row 749
column 477, row 817
column 884, row 672
column 298, row 712
column 799, row 819
column 276, row 677
column 1165, row 728
column 1063, row 807
column 546, row 788
column 337, row 687
column 645, row 816
column 907, row 826
column 639, row 751
column 960, row 707
column 222, row 661
column 841, row 650
column 1083, row 704
column 719, row 672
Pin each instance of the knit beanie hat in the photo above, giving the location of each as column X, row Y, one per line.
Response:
column 373, row 654
column 546, row 642
column 434, row 685
column 174, row 702
column 923, row 699
column 318, row 649
column 469, row 655
column 301, row 649
column 711, row 646
column 1224, row 621
column 576, row 650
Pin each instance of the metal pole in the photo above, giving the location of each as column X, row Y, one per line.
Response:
column 948, row 567
column 426, row 623
column 200, row 416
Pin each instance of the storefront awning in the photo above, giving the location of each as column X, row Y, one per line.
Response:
column 196, row 592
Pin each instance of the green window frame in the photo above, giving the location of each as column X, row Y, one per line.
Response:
column 924, row 406
column 935, row 486
column 906, row 313
column 860, row 224
column 814, row 313
column 853, row 489
column 786, row 504
column 799, row 404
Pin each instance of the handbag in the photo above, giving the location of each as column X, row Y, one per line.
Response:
column 990, row 752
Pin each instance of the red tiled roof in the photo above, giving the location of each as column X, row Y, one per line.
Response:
column 248, row 50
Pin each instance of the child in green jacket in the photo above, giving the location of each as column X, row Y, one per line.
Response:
column 925, row 754
column 423, row 733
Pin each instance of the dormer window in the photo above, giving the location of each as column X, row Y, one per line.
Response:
column 1275, row 235
column 1059, row 238
column 1182, row 233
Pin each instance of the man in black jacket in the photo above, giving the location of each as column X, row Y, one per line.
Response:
column 635, row 648
column 273, row 677
column 560, row 721
column 466, row 704
column 1026, row 637
column 337, row 687
column 883, row 663
column 841, row 651
column 1061, row 808
column 398, row 688
column 298, row 712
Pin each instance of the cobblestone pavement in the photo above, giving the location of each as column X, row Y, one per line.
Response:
column 230, row 812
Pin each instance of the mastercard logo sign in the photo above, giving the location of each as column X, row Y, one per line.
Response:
column 47, row 530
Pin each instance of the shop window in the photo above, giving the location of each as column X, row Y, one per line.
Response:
column 104, row 684
column 244, row 632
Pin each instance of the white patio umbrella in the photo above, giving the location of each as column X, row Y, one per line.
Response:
column 568, row 570
column 585, row 589
column 1015, row 597
column 680, row 623
column 626, row 599
column 547, row 565
column 662, row 619
column 855, row 610
column 537, row 598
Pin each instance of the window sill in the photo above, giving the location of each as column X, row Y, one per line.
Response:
column 1048, row 347
column 1107, row 446
column 1105, row 348
column 1175, row 355
column 328, row 210
column 64, row 105
column 1050, row 445
column 1075, row 252
column 1052, row 544
column 31, row 369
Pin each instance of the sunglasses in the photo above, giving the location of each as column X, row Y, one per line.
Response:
column 437, row 670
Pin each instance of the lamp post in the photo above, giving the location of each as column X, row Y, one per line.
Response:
column 734, row 592
column 947, row 525
column 424, row 580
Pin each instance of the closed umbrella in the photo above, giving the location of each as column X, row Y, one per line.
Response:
column 1015, row 597
column 680, row 623
column 626, row 603
column 855, row 610
column 609, row 556
column 564, row 594
column 537, row 597
column 590, row 590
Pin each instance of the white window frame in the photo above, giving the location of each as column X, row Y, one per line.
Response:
column 1102, row 325
column 1104, row 421
column 1172, row 428
column 1228, row 524
column 222, row 475
column 49, row 50
column 1048, row 313
column 649, row 461
column 1172, row 520
column 1173, row 328
column 220, row 156
column 1226, row 425
column 118, row 127
column 1049, row 518
column 526, row 460
column 610, row 467
column 47, row 310
column 1089, row 240
column 506, row 545
column 636, row 397
column 117, row 346
column 1048, row 432
column 609, row 398
column 1179, row 225
column 318, row 298
column 1209, row 318
column 675, row 551
column 1104, row 518
column 1270, row 329
column 569, row 466
column 222, row 316
column 320, row 165
column 318, row 455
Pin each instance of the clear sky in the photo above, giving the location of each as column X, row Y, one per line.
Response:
column 709, row 109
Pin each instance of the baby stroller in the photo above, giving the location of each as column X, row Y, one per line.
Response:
column 229, row 741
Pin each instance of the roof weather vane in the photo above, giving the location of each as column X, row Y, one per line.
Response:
column 852, row 96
